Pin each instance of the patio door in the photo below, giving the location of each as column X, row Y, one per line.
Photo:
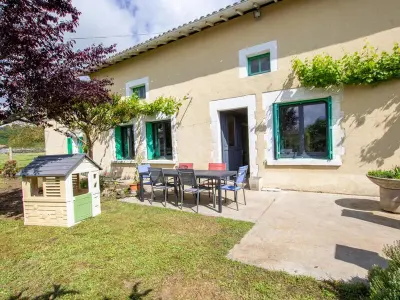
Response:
column 232, row 140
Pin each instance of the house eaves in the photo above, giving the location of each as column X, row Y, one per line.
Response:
column 223, row 15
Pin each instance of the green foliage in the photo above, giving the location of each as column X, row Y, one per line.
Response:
column 385, row 283
column 22, row 136
column 84, row 183
column 27, row 137
column 102, row 182
column 94, row 121
column 10, row 168
column 5, row 132
column 390, row 174
column 360, row 68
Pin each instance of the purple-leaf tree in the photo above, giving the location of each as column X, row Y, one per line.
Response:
column 39, row 69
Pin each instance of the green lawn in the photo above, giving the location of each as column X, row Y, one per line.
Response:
column 23, row 159
column 138, row 252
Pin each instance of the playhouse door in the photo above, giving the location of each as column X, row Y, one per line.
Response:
column 83, row 207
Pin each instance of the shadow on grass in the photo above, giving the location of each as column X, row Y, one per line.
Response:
column 57, row 292
column 355, row 288
column 135, row 293
column 11, row 203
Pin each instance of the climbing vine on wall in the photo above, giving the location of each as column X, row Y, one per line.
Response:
column 360, row 68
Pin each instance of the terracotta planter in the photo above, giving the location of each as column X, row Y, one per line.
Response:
column 134, row 187
column 389, row 193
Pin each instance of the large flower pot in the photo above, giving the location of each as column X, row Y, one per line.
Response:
column 389, row 193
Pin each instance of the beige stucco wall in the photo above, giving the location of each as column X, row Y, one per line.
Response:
column 205, row 67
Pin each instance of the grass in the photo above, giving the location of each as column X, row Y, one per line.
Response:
column 138, row 252
column 23, row 159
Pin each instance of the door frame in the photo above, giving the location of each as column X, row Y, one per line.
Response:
column 216, row 107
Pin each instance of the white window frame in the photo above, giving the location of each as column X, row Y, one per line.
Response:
column 139, row 135
column 143, row 142
column 269, row 47
column 136, row 83
column 299, row 94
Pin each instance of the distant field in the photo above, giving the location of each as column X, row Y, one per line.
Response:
column 22, row 159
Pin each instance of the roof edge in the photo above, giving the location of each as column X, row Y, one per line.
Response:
column 223, row 15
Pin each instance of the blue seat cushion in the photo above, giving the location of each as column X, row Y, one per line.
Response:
column 230, row 188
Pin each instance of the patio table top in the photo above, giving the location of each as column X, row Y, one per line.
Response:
column 202, row 173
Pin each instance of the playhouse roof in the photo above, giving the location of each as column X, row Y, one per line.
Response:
column 55, row 165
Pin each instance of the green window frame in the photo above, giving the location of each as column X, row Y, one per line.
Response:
column 140, row 91
column 257, row 60
column 301, row 104
column 159, row 140
column 124, row 142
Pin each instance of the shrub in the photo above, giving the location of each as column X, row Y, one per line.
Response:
column 102, row 182
column 10, row 168
column 84, row 184
column 360, row 68
column 391, row 174
column 385, row 283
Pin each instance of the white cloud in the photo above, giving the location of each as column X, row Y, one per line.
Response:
column 137, row 18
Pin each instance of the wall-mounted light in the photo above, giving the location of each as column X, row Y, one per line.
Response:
column 257, row 14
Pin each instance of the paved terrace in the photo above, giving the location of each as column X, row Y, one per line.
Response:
column 320, row 235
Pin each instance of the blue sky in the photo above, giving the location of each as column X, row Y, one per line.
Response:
column 141, row 19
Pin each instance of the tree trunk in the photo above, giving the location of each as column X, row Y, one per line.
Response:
column 89, row 144
column 90, row 152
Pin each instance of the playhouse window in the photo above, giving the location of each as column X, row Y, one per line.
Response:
column 49, row 187
column 80, row 184
column 36, row 186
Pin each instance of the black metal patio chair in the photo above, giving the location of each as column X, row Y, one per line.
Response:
column 187, row 177
column 158, row 182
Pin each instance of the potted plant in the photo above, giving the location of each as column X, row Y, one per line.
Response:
column 134, row 185
column 389, row 188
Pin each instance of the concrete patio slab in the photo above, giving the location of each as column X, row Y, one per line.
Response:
column 257, row 203
column 320, row 235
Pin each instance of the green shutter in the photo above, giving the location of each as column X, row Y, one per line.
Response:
column 80, row 144
column 330, row 136
column 149, row 140
column 69, row 145
column 277, row 139
column 118, row 143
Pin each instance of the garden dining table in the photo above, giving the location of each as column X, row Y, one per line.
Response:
column 217, row 175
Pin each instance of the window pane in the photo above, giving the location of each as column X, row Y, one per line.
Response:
column 127, row 142
column 289, row 131
column 168, row 139
column 315, row 129
column 140, row 91
column 265, row 64
column 231, row 131
column 124, row 142
column 162, row 140
column 254, row 66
